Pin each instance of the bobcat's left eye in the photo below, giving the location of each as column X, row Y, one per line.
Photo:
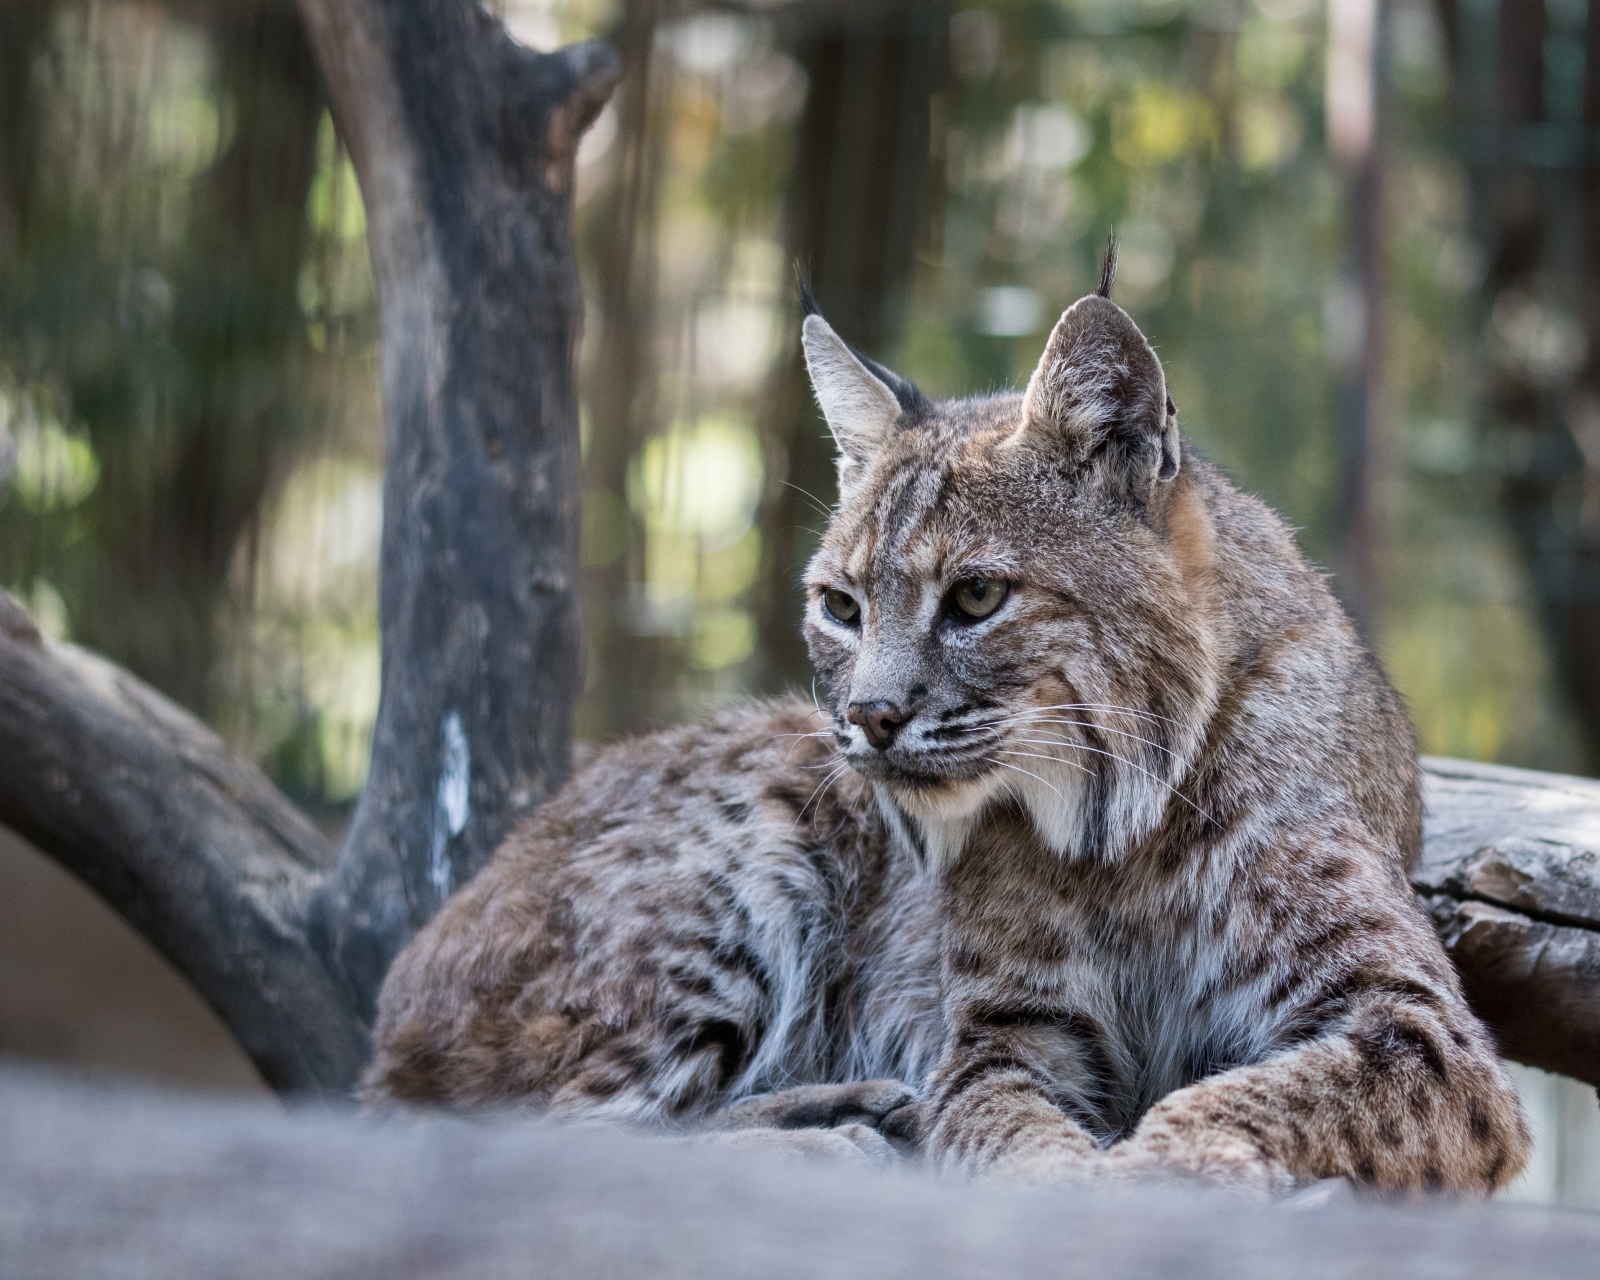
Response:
column 841, row 606
column 978, row 597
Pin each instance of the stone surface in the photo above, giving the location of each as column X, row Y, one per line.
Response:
column 135, row 1186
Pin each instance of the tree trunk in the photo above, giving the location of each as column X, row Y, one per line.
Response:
column 625, row 407
column 1528, row 137
column 857, row 212
column 463, row 143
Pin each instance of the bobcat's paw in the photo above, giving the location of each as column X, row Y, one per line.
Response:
column 1214, row 1158
column 855, row 1144
column 1043, row 1168
column 863, row 1103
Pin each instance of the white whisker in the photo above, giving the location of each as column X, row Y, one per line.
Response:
column 1089, row 724
column 817, row 502
column 798, row 737
column 1088, row 706
column 1034, row 755
column 828, row 782
column 1155, row 778
column 833, row 774
column 1017, row 768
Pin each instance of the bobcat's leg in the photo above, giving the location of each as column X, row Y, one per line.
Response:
column 817, row 1106
column 838, row 1121
column 1404, row 1094
column 1019, row 1062
column 993, row 1108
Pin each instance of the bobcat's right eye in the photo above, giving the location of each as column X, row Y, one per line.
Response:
column 976, row 598
column 841, row 606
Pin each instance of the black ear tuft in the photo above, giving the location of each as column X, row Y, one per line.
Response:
column 808, row 301
column 1108, row 268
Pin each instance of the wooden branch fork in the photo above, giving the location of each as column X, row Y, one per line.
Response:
column 463, row 143
column 464, row 146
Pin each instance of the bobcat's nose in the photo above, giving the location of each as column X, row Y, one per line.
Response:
column 879, row 720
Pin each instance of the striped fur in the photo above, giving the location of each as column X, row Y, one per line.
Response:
column 1113, row 877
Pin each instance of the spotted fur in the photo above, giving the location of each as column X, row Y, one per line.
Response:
column 1112, row 875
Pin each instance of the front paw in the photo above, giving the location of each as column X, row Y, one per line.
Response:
column 821, row 1106
column 1045, row 1167
column 1212, row 1158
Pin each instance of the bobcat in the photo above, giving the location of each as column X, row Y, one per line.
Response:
column 1099, row 845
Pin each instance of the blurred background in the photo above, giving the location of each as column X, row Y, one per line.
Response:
column 1363, row 235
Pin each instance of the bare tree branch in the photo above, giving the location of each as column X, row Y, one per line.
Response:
column 192, row 845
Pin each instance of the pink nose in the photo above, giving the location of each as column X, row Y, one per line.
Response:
column 880, row 721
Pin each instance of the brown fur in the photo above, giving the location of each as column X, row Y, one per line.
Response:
column 1114, row 877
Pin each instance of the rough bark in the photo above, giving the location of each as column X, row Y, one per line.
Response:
column 463, row 143
column 133, row 1187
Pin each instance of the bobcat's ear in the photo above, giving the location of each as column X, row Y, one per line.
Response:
column 859, row 397
column 1099, row 391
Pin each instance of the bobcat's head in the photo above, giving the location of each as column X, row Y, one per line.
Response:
column 1009, row 603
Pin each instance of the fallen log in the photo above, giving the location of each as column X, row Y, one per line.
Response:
column 1510, row 872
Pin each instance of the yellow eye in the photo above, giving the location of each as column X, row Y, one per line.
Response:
column 841, row 606
column 978, row 597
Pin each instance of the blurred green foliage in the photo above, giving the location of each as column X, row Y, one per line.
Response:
column 186, row 322
column 191, row 431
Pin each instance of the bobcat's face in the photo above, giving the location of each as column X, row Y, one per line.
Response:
column 1003, row 604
